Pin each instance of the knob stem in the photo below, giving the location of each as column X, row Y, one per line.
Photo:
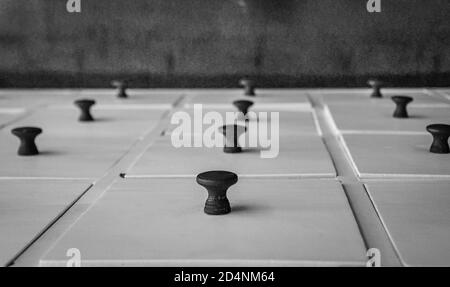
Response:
column 232, row 134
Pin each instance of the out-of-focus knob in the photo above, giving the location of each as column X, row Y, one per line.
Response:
column 249, row 86
column 85, row 109
column 121, row 86
column 440, row 133
column 376, row 85
column 401, row 103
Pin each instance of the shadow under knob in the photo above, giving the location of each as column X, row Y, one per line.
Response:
column 243, row 106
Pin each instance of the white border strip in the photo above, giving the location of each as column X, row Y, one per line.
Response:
column 299, row 107
column 378, row 132
column 204, row 262
column 108, row 106
column 268, row 175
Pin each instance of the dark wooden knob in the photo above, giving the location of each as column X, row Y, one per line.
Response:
column 217, row 184
column 249, row 87
column 440, row 133
column 376, row 85
column 401, row 102
column 232, row 134
column 85, row 109
column 27, row 136
column 243, row 106
column 122, row 87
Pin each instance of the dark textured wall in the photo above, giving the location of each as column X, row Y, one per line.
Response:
column 198, row 38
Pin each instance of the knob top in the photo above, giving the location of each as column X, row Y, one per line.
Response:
column 85, row 102
column 243, row 105
column 120, row 84
column 26, row 131
column 402, row 99
column 246, row 82
column 439, row 129
column 375, row 83
column 217, row 178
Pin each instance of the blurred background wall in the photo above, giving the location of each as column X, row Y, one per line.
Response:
column 214, row 42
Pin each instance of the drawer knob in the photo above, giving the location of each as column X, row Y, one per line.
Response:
column 217, row 184
column 440, row 133
column 27, row 136
column 122, row 87
column 376, row 85
column 401, row 103
column 85, row 109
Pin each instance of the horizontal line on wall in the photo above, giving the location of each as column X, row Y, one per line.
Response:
column 48, row 79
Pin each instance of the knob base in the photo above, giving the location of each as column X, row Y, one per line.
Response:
column 400, row 113
column 86, row 117
column 235, row 149
column 28, row 149
column 122, row 94
column 27, row 136
column 440, row 145
column 218, row 205
column 376, row 94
